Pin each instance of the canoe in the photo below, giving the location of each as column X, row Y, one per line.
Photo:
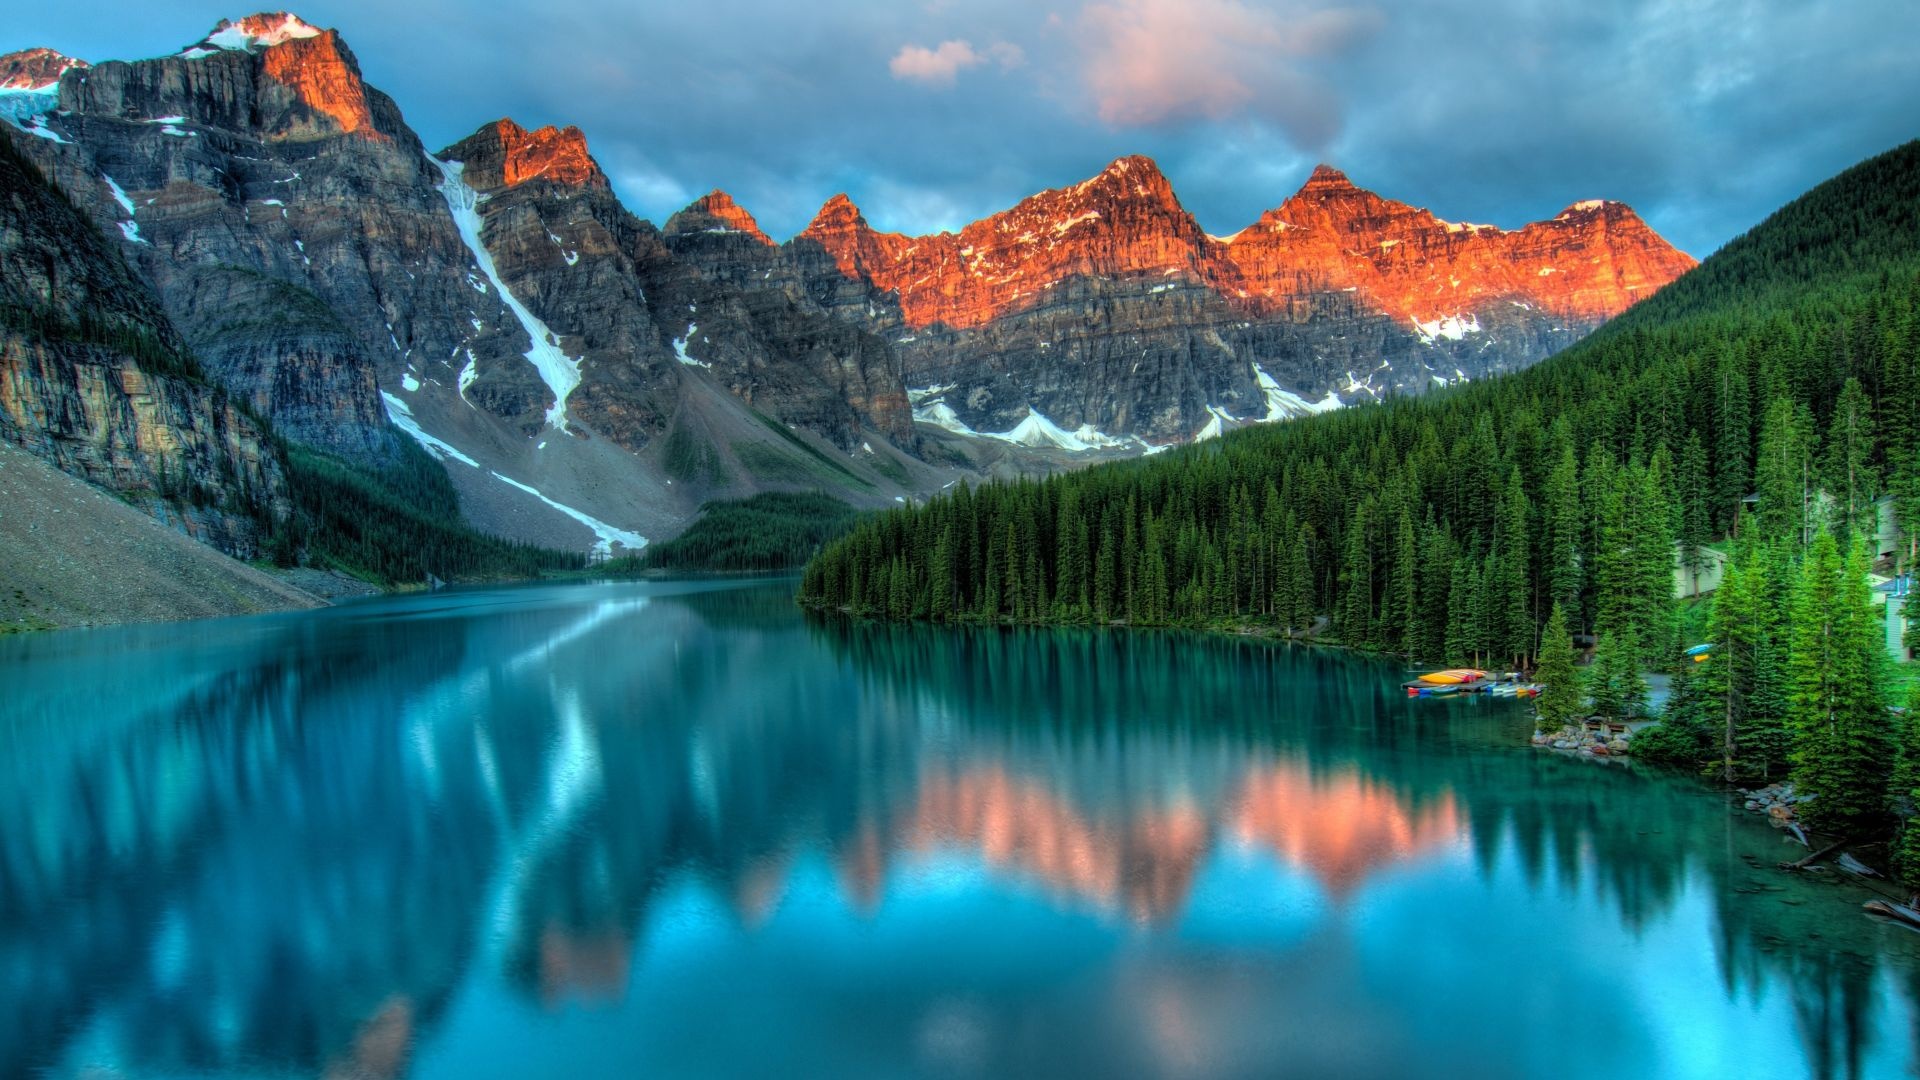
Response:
column 1453, row 676
column 1700, row 650
column 1516, row 690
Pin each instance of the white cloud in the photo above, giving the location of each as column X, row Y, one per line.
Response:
column 1157, row 61
column 942, row 64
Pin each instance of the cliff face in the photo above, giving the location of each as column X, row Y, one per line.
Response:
column 271, row 199
column 748, row 304
column 1122, row 222
column 497, row 300
column 1588, row 264
column 95, row 380
column 639, row 321
column 1104, row 306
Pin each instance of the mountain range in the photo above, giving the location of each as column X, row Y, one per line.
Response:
column 589, row 379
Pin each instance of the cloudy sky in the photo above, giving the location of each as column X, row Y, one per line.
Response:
column 1703, row 114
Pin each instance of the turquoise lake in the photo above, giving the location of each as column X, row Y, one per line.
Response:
column 683, row 829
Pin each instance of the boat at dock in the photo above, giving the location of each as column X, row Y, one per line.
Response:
column 1470, row 681
column 1453, row 677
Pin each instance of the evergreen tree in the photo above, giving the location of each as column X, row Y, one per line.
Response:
column 1840, row 739
column 940, row 589
column 1614, row 681
column 1685, row 737
column 1299, row 573
column 1509, row 589
column 1851, row 480
column 1781, row 511
column 1561, row 696
column 1564, row 520
column 1903, row 792
column 1695, row 524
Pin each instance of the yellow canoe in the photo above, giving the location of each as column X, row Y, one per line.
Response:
column 1453, row 676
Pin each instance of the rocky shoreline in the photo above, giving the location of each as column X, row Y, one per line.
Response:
column 1777, row 801
column 1586, row 741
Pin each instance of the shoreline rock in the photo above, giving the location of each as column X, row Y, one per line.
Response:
column 1585, row 742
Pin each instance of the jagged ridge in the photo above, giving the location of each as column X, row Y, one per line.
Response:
column 1590, row 262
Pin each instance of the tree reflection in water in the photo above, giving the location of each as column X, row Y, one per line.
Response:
column 301, row 843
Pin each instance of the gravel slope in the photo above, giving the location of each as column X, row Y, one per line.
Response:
column 72, row 555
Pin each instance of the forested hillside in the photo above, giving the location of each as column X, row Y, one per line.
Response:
column 774, row 530
column 1449, row 526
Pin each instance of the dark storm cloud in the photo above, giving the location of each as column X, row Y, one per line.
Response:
column 1704, row 114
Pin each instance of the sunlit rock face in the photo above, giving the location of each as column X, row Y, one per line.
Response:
column 717, row 212
column 1588, row 264
column 282, row 211
column 1124, row 221
column 35, row 69
column 504, row 154
column 1105, row 304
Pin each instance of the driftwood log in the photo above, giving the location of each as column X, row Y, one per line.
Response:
column 1802, row 864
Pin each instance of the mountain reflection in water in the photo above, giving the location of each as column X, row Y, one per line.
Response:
column 575, row 830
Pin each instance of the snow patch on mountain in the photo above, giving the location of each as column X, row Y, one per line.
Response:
column 609, row 535
column 252, row 32
column 26, row 109
column 1284, row 404
column 680, row 348
column 19, row 103
column 402, row 416
column 1451, row 327
column 128, row 228
column 559, row 371
column 468, row 373
column 1035, row 431
column 1217, row 418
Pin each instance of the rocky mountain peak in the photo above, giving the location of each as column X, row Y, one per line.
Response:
column 838, row 212
column 1133, row 178
column 1587, row 208
column 717, row 211
column 1124, row 221
column 1329, row 194
column 253, row 33
column 1588, row 264
column 312, row 62
column 34, row 69
column 1326, row 178
column 503, row 154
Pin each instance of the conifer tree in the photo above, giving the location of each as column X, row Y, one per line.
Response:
column 1564, row 529
column 1509, row 591
column 1840, row 740
column 1614, row 681
column 1781, row 510
column 940, row 587
column 1903, row 792
column 1695, row 523
column 1561, row 695
column 1685, row 736
column 1851, row 480
column 1300, row 589
column 1732, row 439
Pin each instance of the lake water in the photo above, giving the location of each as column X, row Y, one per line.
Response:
column 680, row 829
